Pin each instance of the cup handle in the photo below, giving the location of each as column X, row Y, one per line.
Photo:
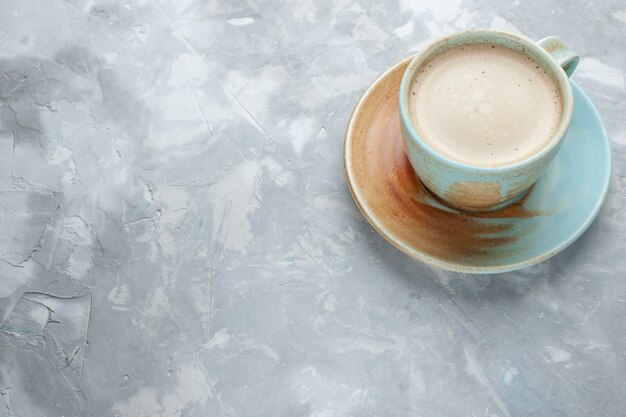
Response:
column 565, row 57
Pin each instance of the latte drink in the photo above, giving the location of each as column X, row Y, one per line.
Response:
column 485, row 105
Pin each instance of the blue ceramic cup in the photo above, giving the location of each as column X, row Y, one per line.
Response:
column 480, row 188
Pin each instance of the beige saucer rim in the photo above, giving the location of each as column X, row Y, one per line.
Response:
column 358, row 198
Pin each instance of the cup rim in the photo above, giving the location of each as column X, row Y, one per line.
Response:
column 546, row 59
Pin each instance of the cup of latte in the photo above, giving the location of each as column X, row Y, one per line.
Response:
column 483, row 112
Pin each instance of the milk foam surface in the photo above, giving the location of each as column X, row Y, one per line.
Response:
column 485, row 105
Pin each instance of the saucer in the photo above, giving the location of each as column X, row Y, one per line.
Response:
column 552, row 215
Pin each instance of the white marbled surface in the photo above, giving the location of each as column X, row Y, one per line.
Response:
column 177, row 237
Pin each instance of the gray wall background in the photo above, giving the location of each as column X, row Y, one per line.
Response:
column 177, row 237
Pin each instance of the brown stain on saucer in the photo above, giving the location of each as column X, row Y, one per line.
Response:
column 395, row 201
